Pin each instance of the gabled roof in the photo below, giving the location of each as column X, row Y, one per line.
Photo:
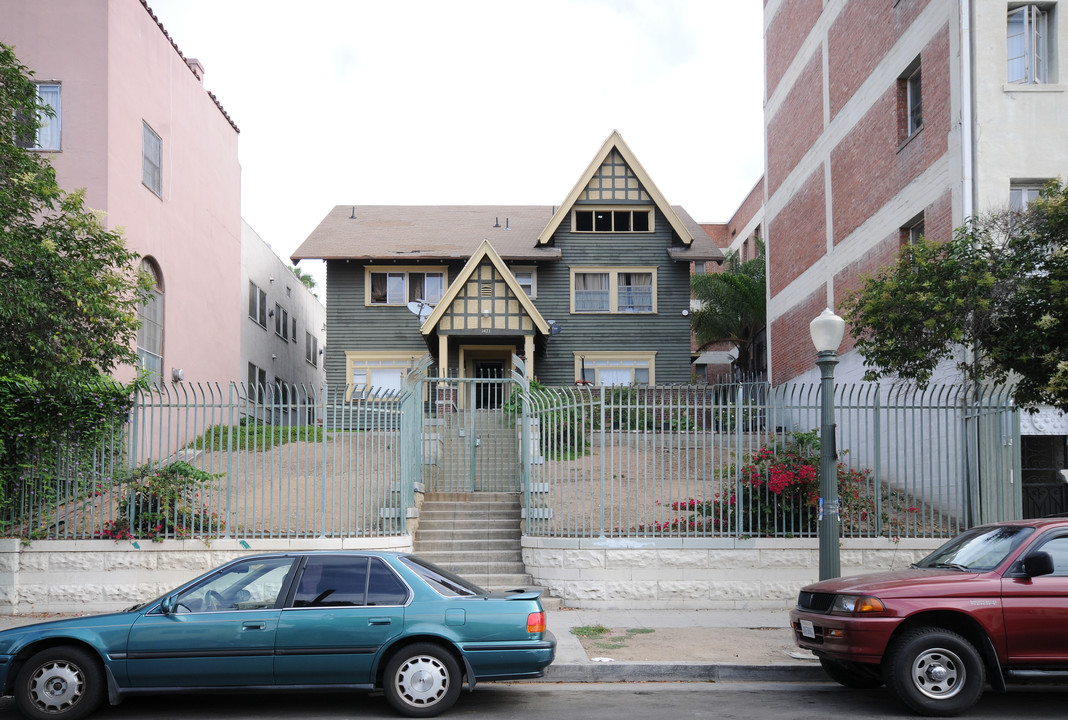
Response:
column 485, row 250
column 615, row 142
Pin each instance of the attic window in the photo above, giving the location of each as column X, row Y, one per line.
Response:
column 605, row 220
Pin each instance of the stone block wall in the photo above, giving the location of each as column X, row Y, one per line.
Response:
column 713, row 573
column 88, row 576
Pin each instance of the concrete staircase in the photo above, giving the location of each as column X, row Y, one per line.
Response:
column 475, row 535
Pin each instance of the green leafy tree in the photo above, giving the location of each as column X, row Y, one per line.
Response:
column 733, row 305
column 69, row 288
column 993, row 299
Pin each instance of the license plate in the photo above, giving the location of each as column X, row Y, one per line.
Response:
column 807, row 629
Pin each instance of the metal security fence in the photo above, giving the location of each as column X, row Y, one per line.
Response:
column 742, row 460
column 233, row 461
column 731, row 460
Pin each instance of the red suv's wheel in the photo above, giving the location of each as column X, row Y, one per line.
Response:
column 935, row 671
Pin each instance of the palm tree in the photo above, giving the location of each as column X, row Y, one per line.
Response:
column 306, row 278
column 732, row 305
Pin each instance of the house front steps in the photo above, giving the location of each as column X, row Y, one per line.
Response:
column 476, row 535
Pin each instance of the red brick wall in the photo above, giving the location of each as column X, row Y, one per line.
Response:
column 747, row 210
column 871, row 165
column 784, row 36
column 797, row 124
column 859, row 38
column 851, row 278
column 792, row 351
column 938, row 218
column 797, row 235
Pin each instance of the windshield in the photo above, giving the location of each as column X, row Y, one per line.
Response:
column 978, row 550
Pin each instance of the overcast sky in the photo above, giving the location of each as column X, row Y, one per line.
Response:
column 419, row 102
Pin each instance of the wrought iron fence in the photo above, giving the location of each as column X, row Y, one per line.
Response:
column 729, row 460
column 743, row 460
column 230, row 461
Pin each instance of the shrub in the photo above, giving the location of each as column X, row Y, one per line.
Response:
column 165, row 503
column 776, row 493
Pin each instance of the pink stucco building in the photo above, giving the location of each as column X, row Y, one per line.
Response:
column 158, row 154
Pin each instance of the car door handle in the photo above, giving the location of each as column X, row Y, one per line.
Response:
column 379, row 621
column 254, row 625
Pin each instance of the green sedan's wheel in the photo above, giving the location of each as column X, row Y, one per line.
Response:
column 422, row 680
column 59, row 683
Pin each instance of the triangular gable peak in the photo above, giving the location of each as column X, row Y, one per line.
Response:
column 615, row 176
column 485, row 296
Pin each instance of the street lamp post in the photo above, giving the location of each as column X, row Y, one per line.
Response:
column 827, row 331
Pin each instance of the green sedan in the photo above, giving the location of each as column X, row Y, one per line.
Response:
column 345, row 620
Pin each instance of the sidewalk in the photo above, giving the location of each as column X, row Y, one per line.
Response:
column 683, row 645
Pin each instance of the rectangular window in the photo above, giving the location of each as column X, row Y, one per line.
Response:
column 604, row 220
column 629, row 290
column 1021, row 194
column 257, row 305
column 1027, row 46
column 373, row 376
column 281, row 322
column 527, row 279
column 311, row 349
column 592, row 292
column 47, row 136
column 152, row 160
column 635, row 292
column 400, row 288
column 257, row 382
column 915, row 102
column 293, row 335
column 608, row 369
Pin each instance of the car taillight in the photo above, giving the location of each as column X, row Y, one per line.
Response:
column 536, row 622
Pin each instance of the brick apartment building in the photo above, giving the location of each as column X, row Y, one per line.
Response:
column 884, row 121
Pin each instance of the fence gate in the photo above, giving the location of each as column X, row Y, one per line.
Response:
column 471, row 441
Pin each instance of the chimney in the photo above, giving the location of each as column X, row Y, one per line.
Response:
column 196, row 67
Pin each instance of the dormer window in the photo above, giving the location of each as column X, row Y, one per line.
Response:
column 610, row 220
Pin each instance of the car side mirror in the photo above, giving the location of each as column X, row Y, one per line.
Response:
column 1039, row 563
column 169, row 604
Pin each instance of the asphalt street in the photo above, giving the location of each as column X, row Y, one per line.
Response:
column 589, row 701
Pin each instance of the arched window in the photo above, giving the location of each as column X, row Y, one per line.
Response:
column 150, row 334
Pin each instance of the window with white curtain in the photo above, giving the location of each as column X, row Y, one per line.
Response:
column 1028, row 45
column 47, row 136
column 613, row 290
column 592, row 292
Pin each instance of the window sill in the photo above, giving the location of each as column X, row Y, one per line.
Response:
column 1033, row 87
column 905, row 143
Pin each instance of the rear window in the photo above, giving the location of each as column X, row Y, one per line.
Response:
column 443, row 581
column 978, row 550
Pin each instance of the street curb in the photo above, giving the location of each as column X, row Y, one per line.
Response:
column 676, row 672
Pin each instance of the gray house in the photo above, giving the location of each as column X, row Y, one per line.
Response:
column 596, row 290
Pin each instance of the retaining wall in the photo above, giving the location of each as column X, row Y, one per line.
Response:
column 56, row 576
column 706, row 573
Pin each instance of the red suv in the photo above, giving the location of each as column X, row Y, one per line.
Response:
column 989, row 606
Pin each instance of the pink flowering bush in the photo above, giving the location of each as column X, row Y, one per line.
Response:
column 776, row 493
column 166, row 503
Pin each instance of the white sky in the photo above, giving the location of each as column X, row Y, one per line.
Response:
column 427, row 102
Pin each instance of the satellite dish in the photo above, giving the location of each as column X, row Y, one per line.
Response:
column 420, row 308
